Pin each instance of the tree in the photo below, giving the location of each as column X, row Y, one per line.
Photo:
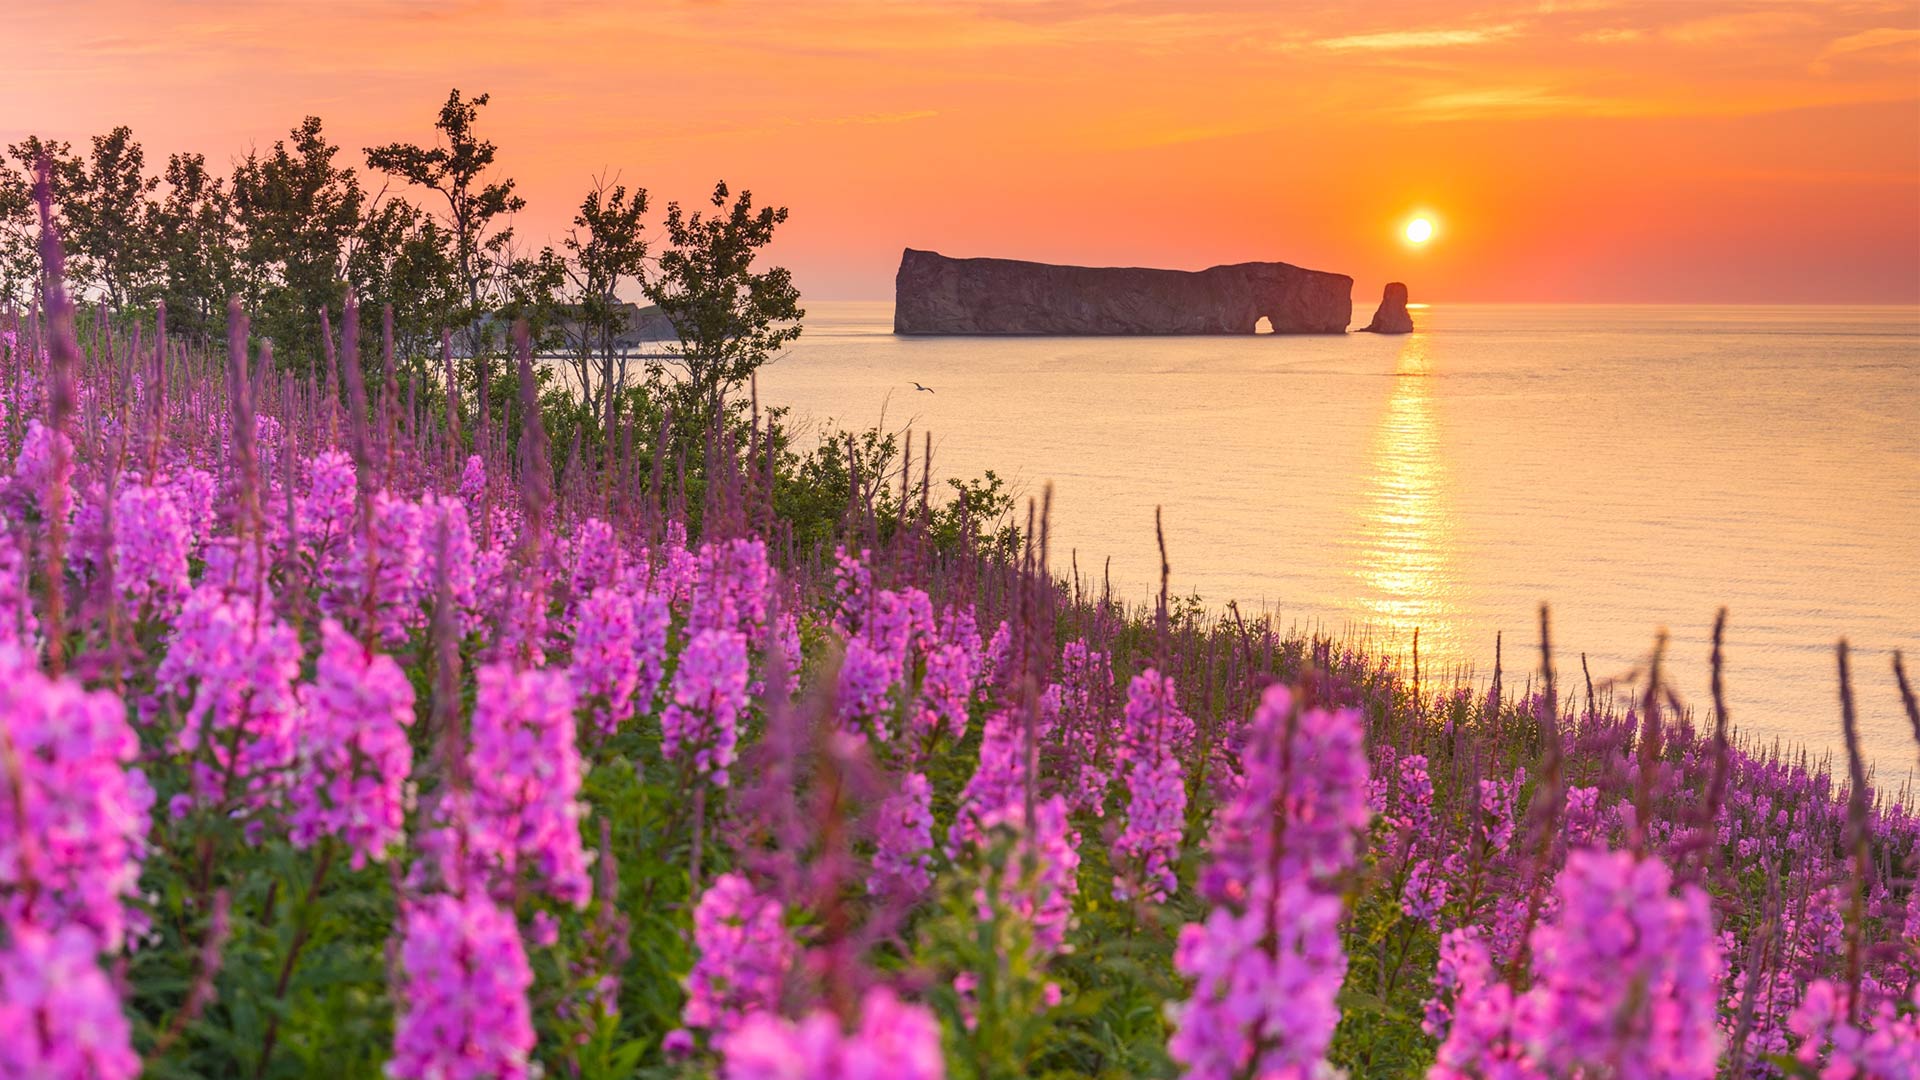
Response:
column 110, row 221
column 297, row 213
column 729, row 319
column 402, row 258
column 19, row 220
column 195, row 236
column 457, row 171
column 606, row 248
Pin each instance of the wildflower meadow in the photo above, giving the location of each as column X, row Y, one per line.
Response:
column 352, row 726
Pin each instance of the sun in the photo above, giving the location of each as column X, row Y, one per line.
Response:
column 1419, row 230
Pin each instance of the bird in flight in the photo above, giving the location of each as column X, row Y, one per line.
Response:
column 917, row 386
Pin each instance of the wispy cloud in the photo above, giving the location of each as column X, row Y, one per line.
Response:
column 1876, row 38
column 1504, row 100
column 1391, row 40
column 1738, row 26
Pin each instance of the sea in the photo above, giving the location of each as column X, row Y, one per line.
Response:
column 1634, row 468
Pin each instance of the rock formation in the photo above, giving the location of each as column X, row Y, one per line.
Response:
column 934, row 294
column 1391, row 317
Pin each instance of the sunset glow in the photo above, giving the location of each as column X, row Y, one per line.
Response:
column 1613, row 150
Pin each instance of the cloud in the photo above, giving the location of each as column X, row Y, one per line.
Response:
column 1418, row 39
column 1738, row 26
column 1505, row 100
column 1876, row 38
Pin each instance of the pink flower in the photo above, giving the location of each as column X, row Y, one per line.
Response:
column 744, row 951
column 894, row 1041
column 151, row 543
column 354, row 753
column 1312, row 764
column 1883, row 1043
column 903, row 859
column 1267, row 964
column 619, row 647
column 74, row 860
column 1041, row 875
column 524, row 812
column 60, row 1018
column 463, row 996
column 732, row 588
column 709, row 692
column 1150, row 742
column 234, row 664
column 1655, row 1012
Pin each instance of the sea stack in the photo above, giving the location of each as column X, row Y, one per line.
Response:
column 934, row 294
column 1391, row 317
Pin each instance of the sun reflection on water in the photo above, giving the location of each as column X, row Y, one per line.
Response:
column 1405, row 555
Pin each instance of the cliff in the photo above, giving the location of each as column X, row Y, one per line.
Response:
column 1391, row 316
column 934, row 294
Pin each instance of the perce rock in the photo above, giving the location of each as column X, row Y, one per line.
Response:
column 1391, row 316
column 934, row 294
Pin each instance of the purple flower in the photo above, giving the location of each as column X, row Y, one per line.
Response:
column 1041, row 874
column 852, row 590
column 1424, row 894
column 1267, row 964
column 1482, row 1024
column 74, row 829
column 151, row 543
column 234, row 665
column 1625, row 982
column 1496, row 824
column 709, row 692
column 619, row 646
column 868, row 675
column 732, row 588
column 1416, row 799
column 900, row 623
column 18, row 624
column 524, row 810
column 45, row 459
column 999, row 779
column 473, row 482
column 1151, row 740
column 894, row 1041
column 1312, row 766
column 1882, row 1044
column 1264, row 984
column 593, row 557
column 744, row 951
column 903, row 855
column 1654, row 1013
column 60, row 1018
column 463, row 996
column 327, row 511
column 354, row 753
column 946, row 692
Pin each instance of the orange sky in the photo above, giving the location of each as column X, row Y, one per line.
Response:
column 1604, row 150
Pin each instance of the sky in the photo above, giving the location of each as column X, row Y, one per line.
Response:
column 1566, row 150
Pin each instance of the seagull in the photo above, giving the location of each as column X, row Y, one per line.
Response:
column 917, row 386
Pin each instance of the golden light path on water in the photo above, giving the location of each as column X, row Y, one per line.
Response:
column 1635, row 468
column 1404, row 562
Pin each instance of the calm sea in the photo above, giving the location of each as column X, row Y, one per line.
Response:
column 1634, row 467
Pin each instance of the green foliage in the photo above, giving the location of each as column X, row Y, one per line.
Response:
column 19, row 219
column 608, row 249
column 485, row 268
column 730, row 318
column 297, row 211
column 110, row 227
column 197, row 232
